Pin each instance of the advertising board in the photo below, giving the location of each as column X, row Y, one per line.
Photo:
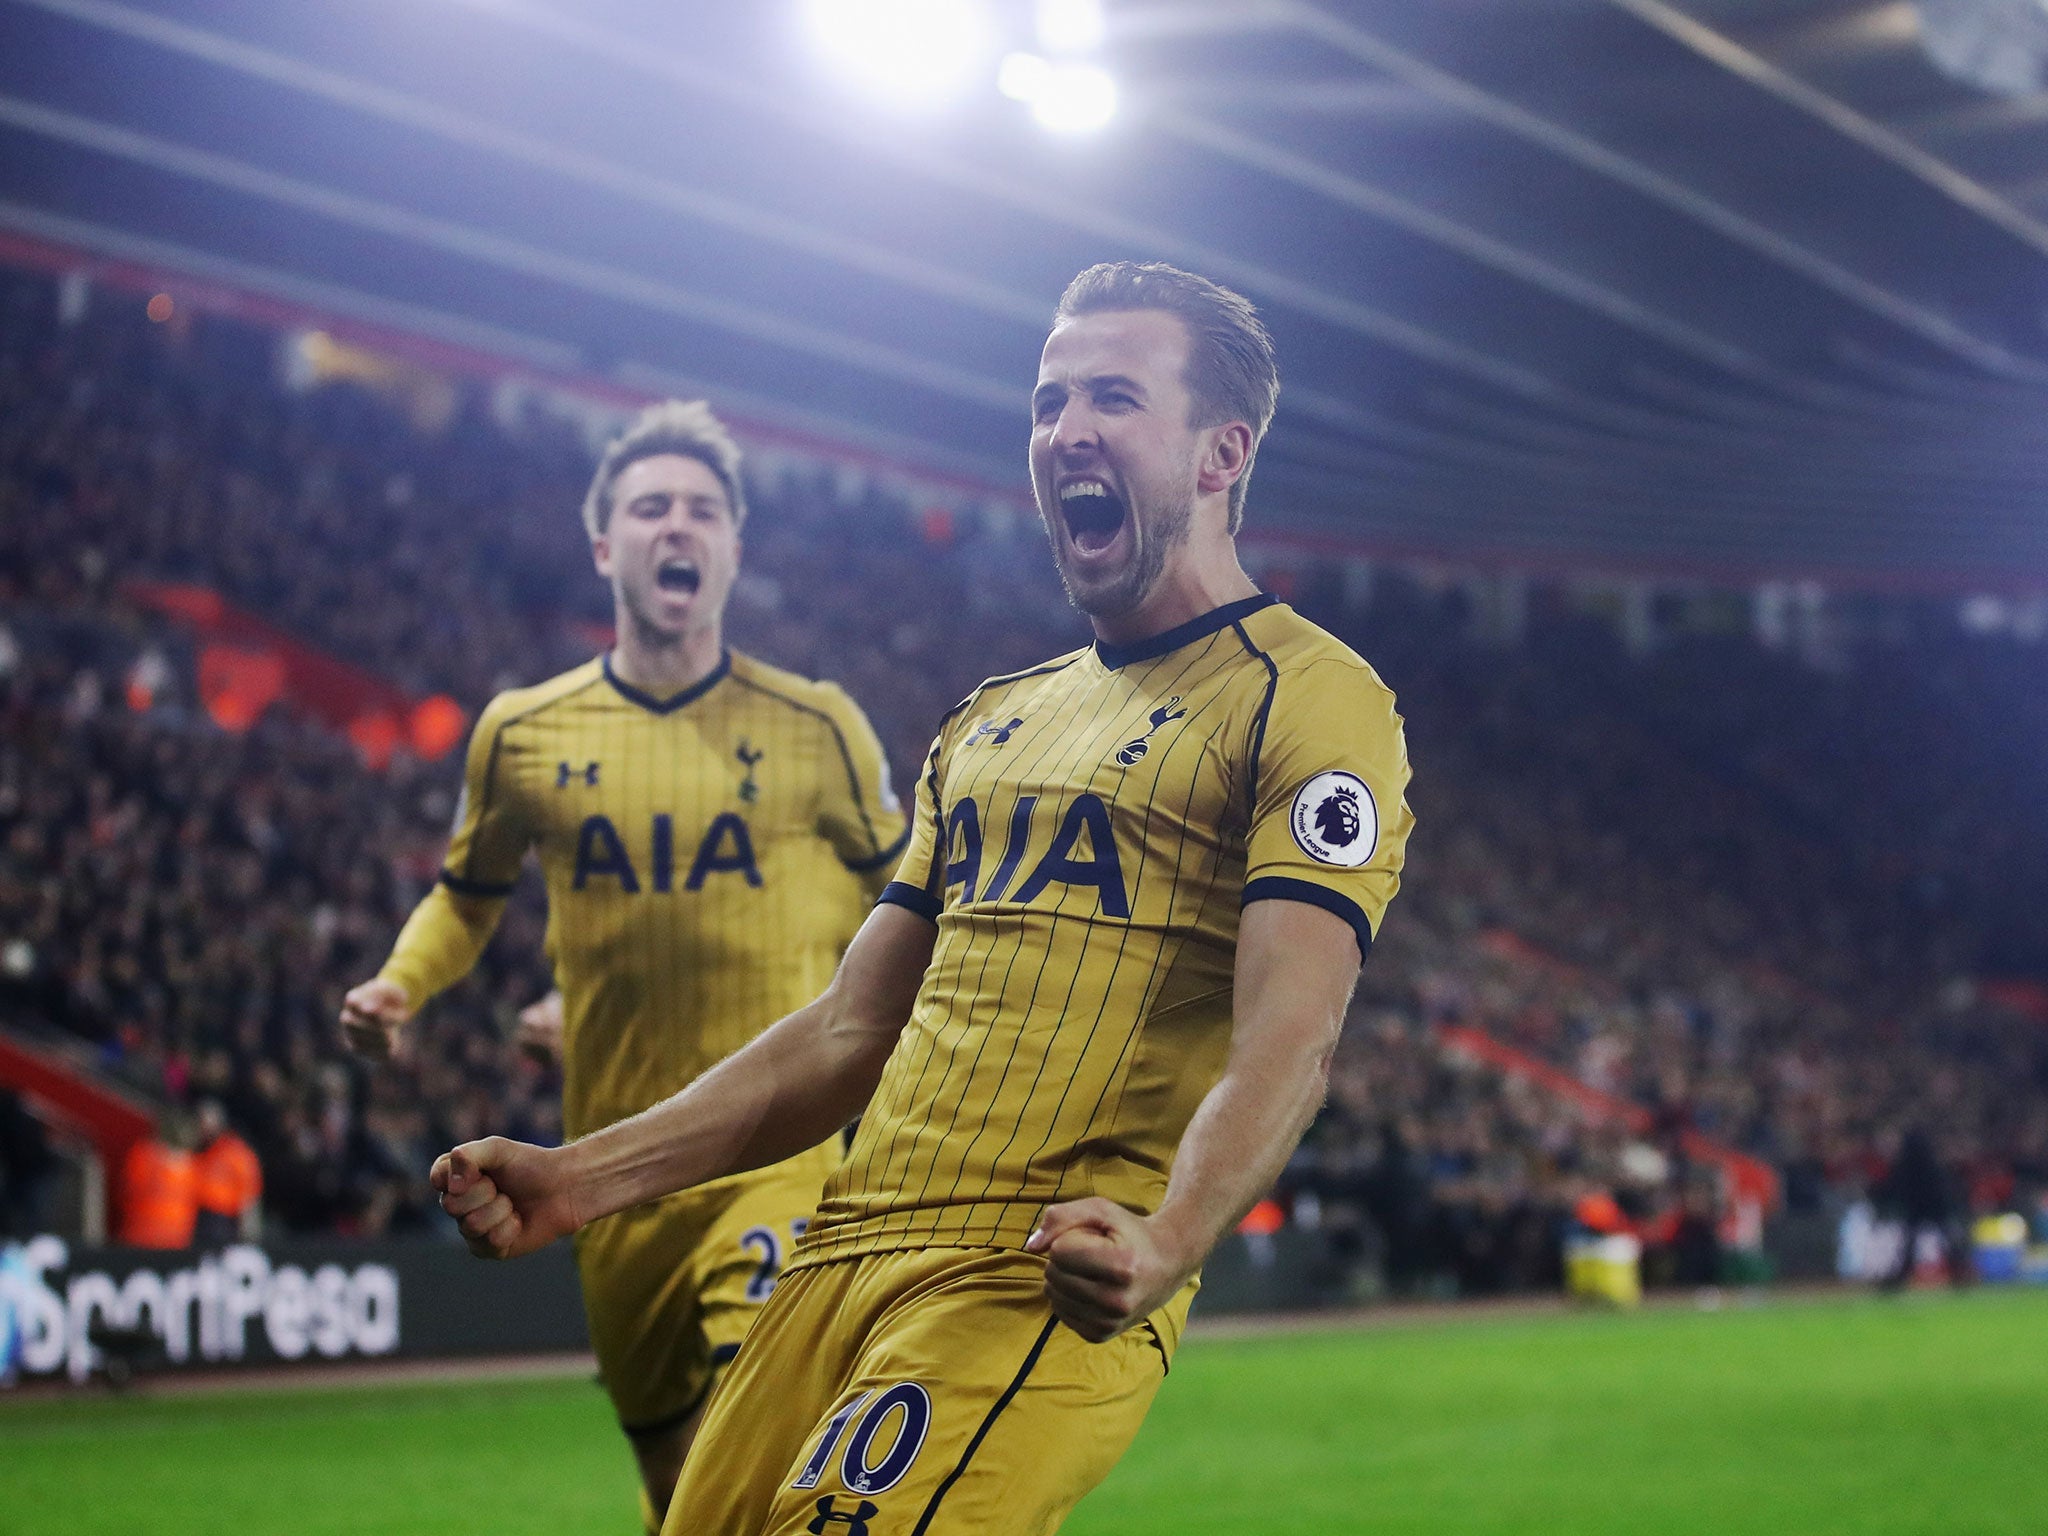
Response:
column 67, row 1311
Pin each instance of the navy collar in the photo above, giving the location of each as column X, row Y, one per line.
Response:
column 1114, row 656
column 689, row 695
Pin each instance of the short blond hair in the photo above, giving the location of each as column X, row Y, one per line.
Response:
column 684, row 427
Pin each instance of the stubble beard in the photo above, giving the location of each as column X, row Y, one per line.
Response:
column 649, row 634
column 1129, row 589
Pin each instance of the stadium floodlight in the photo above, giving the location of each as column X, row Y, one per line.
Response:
column 1070, row 26
column 1066, row 98
column 1999, row 46
column 904, row 53
column 1022, row 76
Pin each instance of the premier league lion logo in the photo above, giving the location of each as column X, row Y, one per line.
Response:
column 1337, row 817
column 1335, row 820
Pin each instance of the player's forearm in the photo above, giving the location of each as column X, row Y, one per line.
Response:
column 790, row 1089
column 441, row 942
column 1235, row 1147
column 787, row 1090
column 1295, row 970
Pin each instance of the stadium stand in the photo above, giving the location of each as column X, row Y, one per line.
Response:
column 1745, row 891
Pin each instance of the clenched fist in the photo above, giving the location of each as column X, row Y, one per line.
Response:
column 372, row 1015
column 1105, row 1268
column 540, row 1029
column 508, row 1198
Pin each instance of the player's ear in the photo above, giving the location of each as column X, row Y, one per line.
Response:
column 1228, row 453
column 601, row 555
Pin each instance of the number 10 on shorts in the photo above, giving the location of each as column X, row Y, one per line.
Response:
column 857, row 1470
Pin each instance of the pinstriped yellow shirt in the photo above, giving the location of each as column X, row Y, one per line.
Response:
column 1085, row 836
column 707, row 858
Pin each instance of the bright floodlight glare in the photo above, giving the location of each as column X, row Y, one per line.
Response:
column 908, row 53
column 1070, row 26
column 1075, row 98
column 1022, row 76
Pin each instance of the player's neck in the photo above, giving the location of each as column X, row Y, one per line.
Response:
column 1198, row 581
column 666, row 665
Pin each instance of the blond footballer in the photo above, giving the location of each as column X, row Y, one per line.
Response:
column 711, row 830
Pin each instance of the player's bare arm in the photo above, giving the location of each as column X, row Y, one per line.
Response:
column 1108, row 1268
column 792, row 1087
column 441, row 941
column 372, row 1014
column 540, row 1028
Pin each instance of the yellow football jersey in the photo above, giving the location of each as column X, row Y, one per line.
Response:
column 1085, row 835
column 696, row 851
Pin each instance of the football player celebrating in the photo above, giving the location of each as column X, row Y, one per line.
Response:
column 1095, row 1009
column 696, row 814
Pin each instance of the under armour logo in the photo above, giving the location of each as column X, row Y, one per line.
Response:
column 856, row 1523
column 995, row 734
column 1131, row 751
column 749, row 790
column 567, row 771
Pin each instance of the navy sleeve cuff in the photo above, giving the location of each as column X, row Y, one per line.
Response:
column 462, row 887
column 1281, row 888
column 899, row 894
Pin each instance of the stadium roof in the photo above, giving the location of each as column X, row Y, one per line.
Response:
column 1697, row 285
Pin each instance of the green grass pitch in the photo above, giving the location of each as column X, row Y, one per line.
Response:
column 1925, row 1414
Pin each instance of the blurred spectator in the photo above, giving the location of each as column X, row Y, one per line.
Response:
column 1692, row 1238
column 1916, row 1192
column 230, row 1181
column 158, row 1194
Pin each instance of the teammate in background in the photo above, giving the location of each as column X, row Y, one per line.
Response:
column 695, row 813
column 1095, row 1009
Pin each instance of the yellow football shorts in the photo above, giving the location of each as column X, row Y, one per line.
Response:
column 670, row 1287
column 924, row 1393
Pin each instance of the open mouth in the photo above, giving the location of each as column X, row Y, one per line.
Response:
column 1094, row 514
column 677, row 576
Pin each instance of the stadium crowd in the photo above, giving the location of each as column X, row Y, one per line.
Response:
column 1745, row 892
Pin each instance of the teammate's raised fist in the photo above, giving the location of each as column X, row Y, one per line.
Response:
column 540, row 1029
column 372, row 1015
